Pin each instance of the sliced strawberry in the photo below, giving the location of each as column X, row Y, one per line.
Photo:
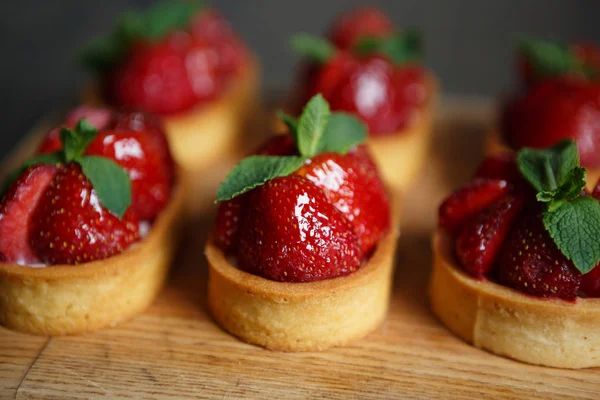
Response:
column 470, row 200
column 531, row 263
column 362, row 22
column 353, row 187
column 479, row 242
column 70, row 226
column 16, row 208
column 292, row 233
column 590, row 283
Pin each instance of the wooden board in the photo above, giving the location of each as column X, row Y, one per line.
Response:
column 174, row 349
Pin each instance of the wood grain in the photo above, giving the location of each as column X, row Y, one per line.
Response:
column 174, row 350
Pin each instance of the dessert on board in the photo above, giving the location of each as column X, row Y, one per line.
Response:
column 182, row 61
column 367, row 67
column 558, row 98
column 301, row 255
column 88, row 225
column 516, row 256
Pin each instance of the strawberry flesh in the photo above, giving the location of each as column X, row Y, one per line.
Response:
column 531, row 263
column 17, row 206
column 70, row 226
column 292, row 233
column 468, row 201
column 479, row 242
column 356, row 24
column 590, row 283
column 354, row 188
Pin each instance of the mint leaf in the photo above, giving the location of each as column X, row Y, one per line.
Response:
column 111, row 183
column 76, row 141
column 152, row 24
column 555, row 172
column 315, row 47
column 312, row 125
column 290, row 122
column 343, row 132
column 548, row 58
column 255, row 171
column 401, row 48
column 575, row 228
column 49, row 158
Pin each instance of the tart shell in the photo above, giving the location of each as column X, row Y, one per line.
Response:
column 493, row 144
column 549, row 332
column 309, row 316
column 69, row 299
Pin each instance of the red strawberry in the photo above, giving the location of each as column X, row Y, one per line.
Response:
column 470, row 200
column 499, row 166
column 354, row 188
column 596, row 191
column 479, row 242
column 353, row 25
column 278, row 145
column 530, row 262
column 70, row 226
column 227, row 223
column 589, row 54
column 590, row 283
column 292, row 233
column 386, row 97
column 139, row 154
column 16, row 208
column 96, row 116
column 553, row 110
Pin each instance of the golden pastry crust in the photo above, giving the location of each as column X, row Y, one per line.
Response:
column 493, row 144
column 214, row 131
column 549, row 332
column 301, row 316
column 68, row 299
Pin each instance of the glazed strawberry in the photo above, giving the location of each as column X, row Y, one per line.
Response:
column 590, row 283
column 553, row 110
column 362, row 22
column 70, row 226
column 98, row 117
column 17, row 206
column 227, row 223
column 353, row 186
column 480, row 240
column 139, row 154
column 531, row 262
column 292, row 233
column 470, row 200
column 386, row 97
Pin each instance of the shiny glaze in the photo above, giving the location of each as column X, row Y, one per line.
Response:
column 386, row 97
column 186, row 68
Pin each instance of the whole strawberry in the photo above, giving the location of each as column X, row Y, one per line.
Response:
column 293, row 233
column 70, row 226
column 354, row 25
column 167, row 59
column 307, row 208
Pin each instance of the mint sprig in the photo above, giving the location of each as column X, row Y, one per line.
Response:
column 317, row 48
column 149, row 25
column 572, row 221
column 110, row 181
column 316, row 131
column 549, row 58
column 402, row 47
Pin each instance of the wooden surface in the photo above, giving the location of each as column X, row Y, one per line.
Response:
column 174, row 350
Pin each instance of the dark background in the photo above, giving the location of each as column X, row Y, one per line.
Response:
column 469, row 43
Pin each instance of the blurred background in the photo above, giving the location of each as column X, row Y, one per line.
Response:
column 469, row 43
